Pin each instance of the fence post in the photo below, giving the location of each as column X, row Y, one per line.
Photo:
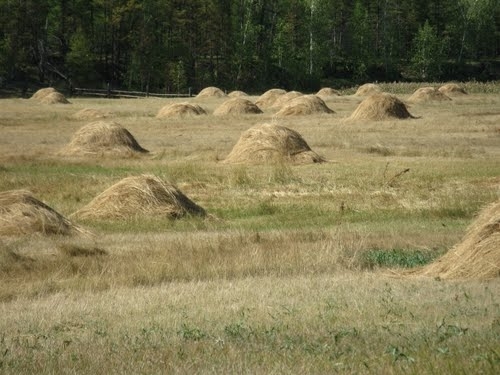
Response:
column 109, row 90
column 189, row 91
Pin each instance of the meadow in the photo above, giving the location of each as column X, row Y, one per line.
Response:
column 296, row 269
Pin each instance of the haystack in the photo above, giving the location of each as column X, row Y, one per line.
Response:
column 283, row 99
column 477, row 256
column 272, row 143
column 21, row 213
column 236, row 94
column 426, row 94
column 380, row 106
column 144, row 195
column 237, row 106
column 368, row 89
column 211, row 92
column 268, row 98
column 304, row 105
column 91, row 114
column 43, row 92
column 327, row 92
column 181, row 109
column 452, row 89
column 102, row 137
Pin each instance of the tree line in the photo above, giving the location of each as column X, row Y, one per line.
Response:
column 171, row 45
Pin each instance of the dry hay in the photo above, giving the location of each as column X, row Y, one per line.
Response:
column 91, row 114
column 283, row 99
column 181, row 109
column 380, row 106
column 268, row 98
column 237, row 106
column 210, row 92
column 102, row 137
column 477, row 256
column 425, row 94
column 43, row 92
column 272, row 143
column 144, row 195
column 327, row 92
column 21, row 213
column 452, row 89
column 368, row 89
column 304, row 105
column 236, row 94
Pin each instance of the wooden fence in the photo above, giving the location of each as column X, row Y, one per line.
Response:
column 109, row 93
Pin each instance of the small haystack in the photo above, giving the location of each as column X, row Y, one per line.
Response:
column 327, row 92
column 236, row 94
column 368, row 89
column 380, row 106
column 268, row 98
column 304, row 105
column 21, row 213
column 283, row 99
column 181, row 109
column 452, row 89
column 272, row 143
column 103, row 137
column 237, row 106
column 426, row 94
column 43, row 92
column 477, row 256
column 144, row 195
column 54, row 98
column 211, row 92
column 91, row 114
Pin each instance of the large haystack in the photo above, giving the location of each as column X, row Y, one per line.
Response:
column 21, row 213
column 103, row 137
column 211, row 92
column 237, row 106
column 268, row 98
column 236, row 94
column 43, row 92
column 180, row 110
column 381, row 106
column 477, row 256
column 144, row 195
column 452, row 89
column 304, row 105
column 91, row 114
column 283, row 99
column 368, row 89
column 268, row 143
column 427, row 94
column 54, row 98
column 327, row 92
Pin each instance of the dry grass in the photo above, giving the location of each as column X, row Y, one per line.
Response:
column 91, row 114
column 181, row 109
column 267, row 99
column 209, row 92
column 237, row 106
column 426, row 94
column 304, row 105
column 380, row 106
column 136, row 196
column 269, row 143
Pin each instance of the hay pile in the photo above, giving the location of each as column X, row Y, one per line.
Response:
column 237, row 106
column 283, row 99
column 477, row 256
column 236, row 94
column 181, row 109
column 21, row 213
column 327, row 92
column 102, row 137
column 368, row 89
column 211, row 92
column 91, row 114
column 452, row 89
column 304, row 105
column 426, row 94
column 144, row 195
column 49, row 95
column 268, row 98
column 272, row 143
column 380, row 106
column 43, row 92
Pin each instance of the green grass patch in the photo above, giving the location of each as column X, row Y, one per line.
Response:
column 403, row 258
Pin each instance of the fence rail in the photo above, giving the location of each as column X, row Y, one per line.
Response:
column 109, row 93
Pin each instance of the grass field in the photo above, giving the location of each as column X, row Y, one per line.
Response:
column 297, row 269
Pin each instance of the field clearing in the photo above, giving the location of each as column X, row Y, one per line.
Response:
column 296, row 269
